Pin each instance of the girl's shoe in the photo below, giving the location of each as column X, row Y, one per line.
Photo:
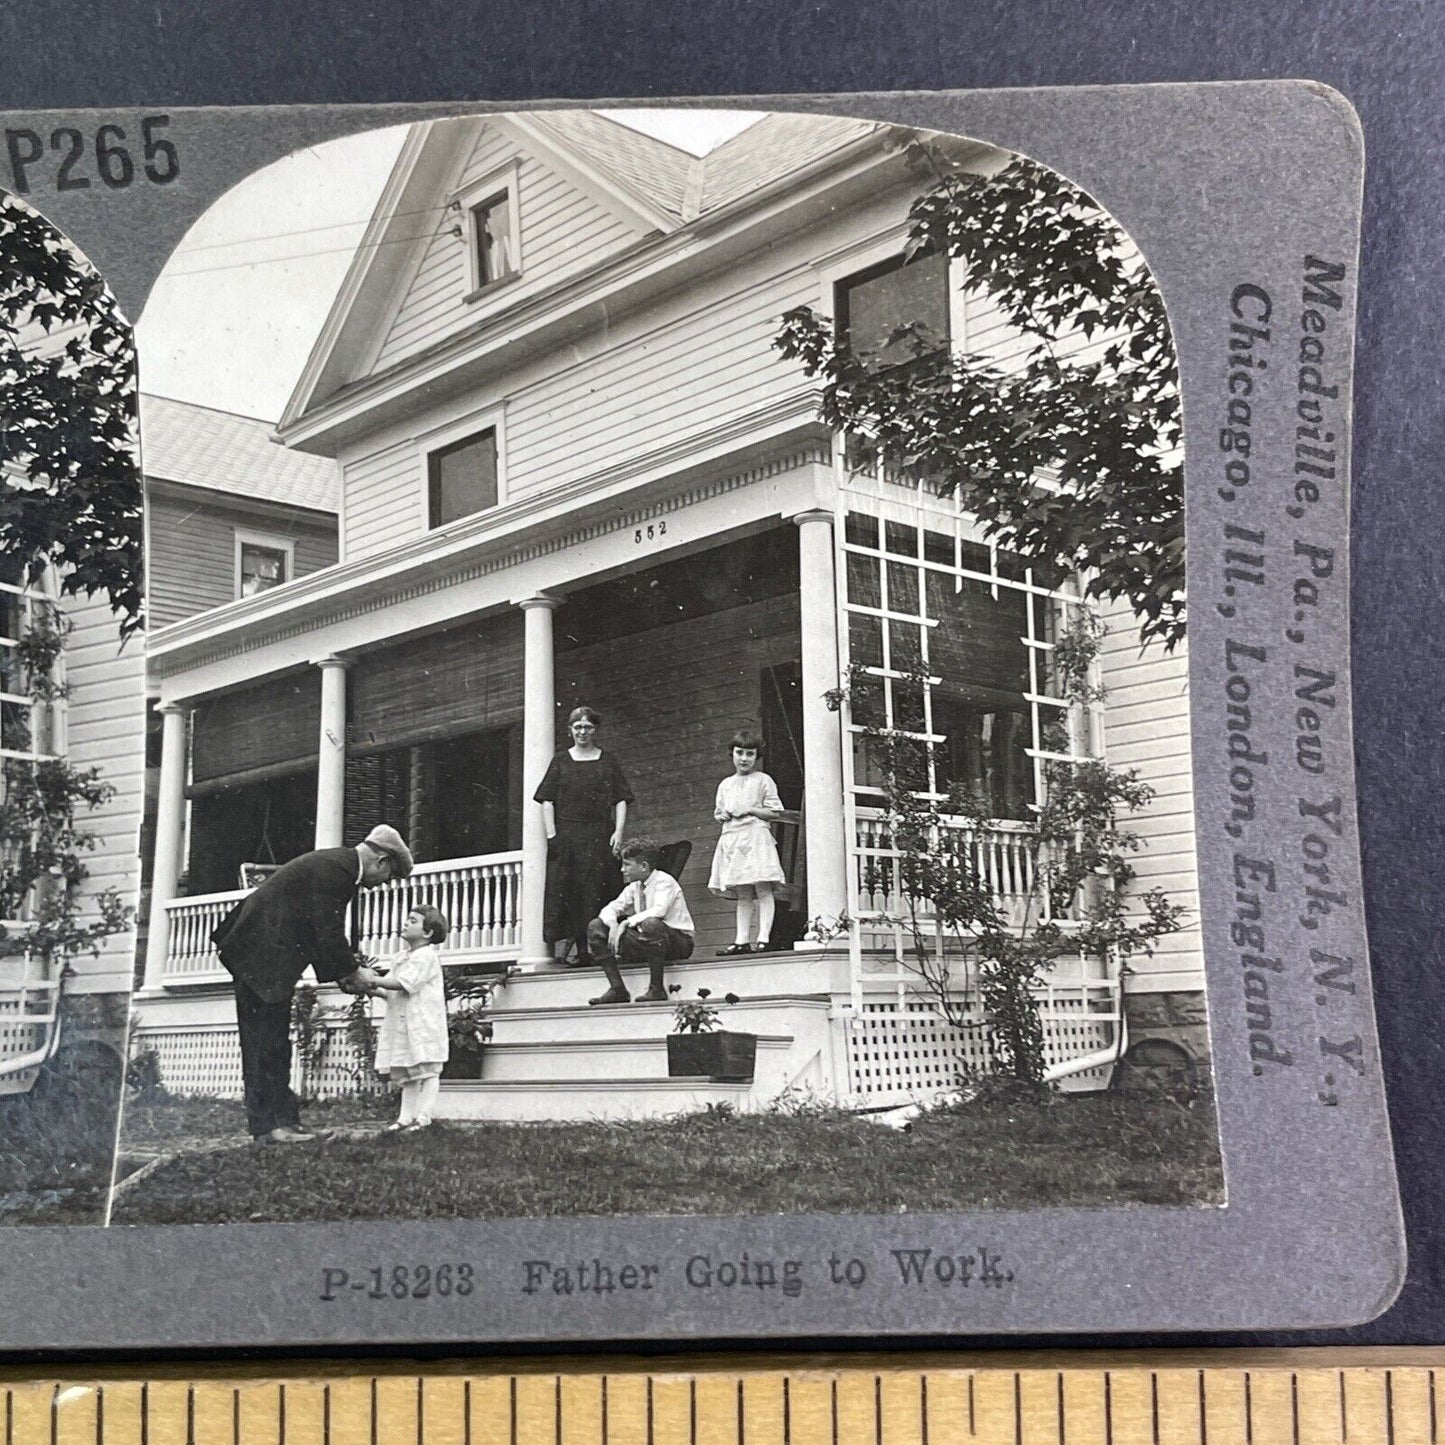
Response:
column 417, row 1124
column 734, row 948
column 762, row 946
column 395, row 1128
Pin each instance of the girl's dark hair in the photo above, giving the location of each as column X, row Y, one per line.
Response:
column 434, row 921
column 746, row 738
column 591, row 714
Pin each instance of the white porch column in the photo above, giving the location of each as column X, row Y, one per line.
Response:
column 170, row 828
column 539, row 740
column 827, row 853
column 331, row 753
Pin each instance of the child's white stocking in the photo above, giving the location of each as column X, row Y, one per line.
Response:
column 408, row 1102
column 426, row 1098
column 744, row 916
column 765, row 912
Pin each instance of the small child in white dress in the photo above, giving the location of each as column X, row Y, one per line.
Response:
column 745, row 862
column 413, row 1044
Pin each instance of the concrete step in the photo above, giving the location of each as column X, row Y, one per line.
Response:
column 775, row 1015
column 581, row 1061
column 606, row 1099
column 555, row 986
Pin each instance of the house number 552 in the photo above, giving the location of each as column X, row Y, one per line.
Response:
column 650, row 532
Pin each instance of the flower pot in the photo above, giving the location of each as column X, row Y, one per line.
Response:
column 717, row 1055
column 463, row 1064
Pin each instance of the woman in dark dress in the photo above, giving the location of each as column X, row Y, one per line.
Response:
column 584, row 800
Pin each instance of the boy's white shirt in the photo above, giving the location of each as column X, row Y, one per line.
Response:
column 663, row 898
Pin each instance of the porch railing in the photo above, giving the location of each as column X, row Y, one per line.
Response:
column 1003, row 855
column 480, row 896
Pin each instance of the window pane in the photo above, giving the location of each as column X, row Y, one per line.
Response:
column 861, row 530
column 900, row 539
column 895, row 314
column 15, row 726
column 261, row 568
column 865, row 639
column 985, row 755
column 862, row 581
column 978, row 645
column 464, row 478
column 494, row 239
column 902, row 588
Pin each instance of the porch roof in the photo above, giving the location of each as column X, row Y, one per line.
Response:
column 785, row 440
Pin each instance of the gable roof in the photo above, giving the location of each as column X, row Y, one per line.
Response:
column 654, row 186
column 651, row 169
column 223, row 452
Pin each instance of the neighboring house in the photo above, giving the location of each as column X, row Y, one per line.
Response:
column 574, row 469
column 228, row 514
column 99, row 724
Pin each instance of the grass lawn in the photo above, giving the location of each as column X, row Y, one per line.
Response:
column 56, row 1145
column 1099, row 1149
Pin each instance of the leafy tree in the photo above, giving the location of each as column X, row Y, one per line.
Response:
column 70, row 486
column 1069, row 457
column 70, row 499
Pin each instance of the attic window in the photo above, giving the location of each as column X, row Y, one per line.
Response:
column 489, row 230
column 492, row 238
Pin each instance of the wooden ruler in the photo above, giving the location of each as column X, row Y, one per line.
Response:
column 1355, row 1397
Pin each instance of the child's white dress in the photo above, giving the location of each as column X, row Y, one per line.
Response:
column 413, row 1042
column 746, row 852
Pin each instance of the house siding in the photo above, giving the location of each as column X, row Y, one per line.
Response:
column 105, row 729
column 191, row 561
column 562, row 231
column 1146, row 729
column 683, row 371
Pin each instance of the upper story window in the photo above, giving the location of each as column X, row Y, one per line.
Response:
column 462, row 478
column 262, row 563
column 27, row 724
column 490, row 229
column 896, row 312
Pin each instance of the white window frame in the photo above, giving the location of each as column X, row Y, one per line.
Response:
column 273, row 543
column 466, row 200
column 491, row 418
column 43, row 592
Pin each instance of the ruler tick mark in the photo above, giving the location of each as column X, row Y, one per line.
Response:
column 1059, row 1383
column 741, row 1431
column 787, row 1413
column 1390, row 1406
column 923, row 1409
column 466, row 1412
column 1344, row 1415
column 1203, row 1414
column 835, row 1410
column 236, row 1417
column 55, row 1416
column 1018, row 1410
column 692, row 1412
column 1431, row 1378
column 512, row 1393
column 1108, row 1408
column 649, row 1410
column 1248, row 1410
column 326, row 1415
column 100, row 1415
column 971, row 1421
column 1294, row 1406
column 281, row 1415
column 375, row 1413
column 557, row 1412
column 420, row 1414
column 1154, row 1405
column 878, row 1409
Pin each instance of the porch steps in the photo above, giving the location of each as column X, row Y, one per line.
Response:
column 748, row 975
column 582, row 1062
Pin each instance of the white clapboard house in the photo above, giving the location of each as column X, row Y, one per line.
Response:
column 98, row 723
column 573, row 468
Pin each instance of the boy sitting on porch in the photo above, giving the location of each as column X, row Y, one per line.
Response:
column 647, row 923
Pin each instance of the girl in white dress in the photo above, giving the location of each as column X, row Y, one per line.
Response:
column 745, row 862
column 413, row 1045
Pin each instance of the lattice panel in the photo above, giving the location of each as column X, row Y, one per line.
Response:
column 207, row 1061
column 903, row 1055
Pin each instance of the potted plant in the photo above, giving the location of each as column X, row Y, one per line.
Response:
column 702, row 1048
column 469, row 1030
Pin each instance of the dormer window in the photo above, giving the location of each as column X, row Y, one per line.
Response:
column 490, row 230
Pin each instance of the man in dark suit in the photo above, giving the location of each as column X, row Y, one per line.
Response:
column 296, row 919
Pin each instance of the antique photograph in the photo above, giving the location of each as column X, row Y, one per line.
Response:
column 666, row 687
column 71, row 720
